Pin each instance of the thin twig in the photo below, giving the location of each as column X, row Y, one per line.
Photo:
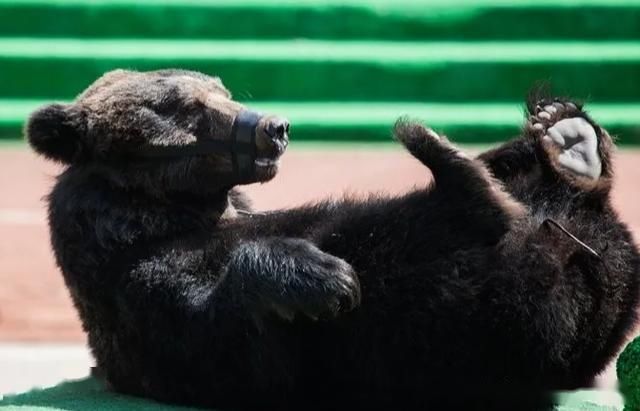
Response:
column 573, row 237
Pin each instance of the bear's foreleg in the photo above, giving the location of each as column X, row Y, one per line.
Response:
column 290, row 276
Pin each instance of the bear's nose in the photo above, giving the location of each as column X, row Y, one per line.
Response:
column 278, row 129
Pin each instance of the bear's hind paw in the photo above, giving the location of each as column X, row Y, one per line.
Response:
column 569, row 137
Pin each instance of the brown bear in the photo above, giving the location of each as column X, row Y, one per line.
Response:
column 510, row 275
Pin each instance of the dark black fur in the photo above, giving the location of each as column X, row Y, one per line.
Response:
column 456, row 294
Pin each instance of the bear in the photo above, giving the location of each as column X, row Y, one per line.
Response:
column 509, row 275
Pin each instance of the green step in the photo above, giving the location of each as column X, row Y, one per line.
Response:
column 372, row 122
column 324, row 19
column 335, row 71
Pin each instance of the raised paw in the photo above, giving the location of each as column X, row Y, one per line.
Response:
column 412, row 134
column 569, row 137
column 424, row 143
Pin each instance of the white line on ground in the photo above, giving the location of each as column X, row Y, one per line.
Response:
column 24, row 366
column 22, row 216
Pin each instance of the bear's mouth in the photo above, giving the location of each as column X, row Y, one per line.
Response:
column 271, row 139
column 267, row 162
column 266, row 168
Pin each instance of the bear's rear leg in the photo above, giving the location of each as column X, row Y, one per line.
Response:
column 457, row 176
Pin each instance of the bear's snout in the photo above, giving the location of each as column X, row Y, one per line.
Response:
column 278, row 129
column 272, row 137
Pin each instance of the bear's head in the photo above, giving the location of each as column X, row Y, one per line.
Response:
column 162, row 130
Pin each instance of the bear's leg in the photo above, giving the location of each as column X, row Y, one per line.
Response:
column 573, row 148
column 289, row 276
column 459, row 178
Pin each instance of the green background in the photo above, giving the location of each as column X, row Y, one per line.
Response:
column 341, row 70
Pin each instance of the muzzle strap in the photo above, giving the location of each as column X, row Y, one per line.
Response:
column 241, row 145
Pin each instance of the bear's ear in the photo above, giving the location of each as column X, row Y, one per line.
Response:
column 56, row 131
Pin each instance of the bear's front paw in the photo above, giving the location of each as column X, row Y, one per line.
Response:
column 290, row 276
column 323, row 287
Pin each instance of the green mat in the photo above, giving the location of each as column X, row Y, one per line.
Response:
column 89, row 395
column 324, row 71
column 466, row 55
column 324, row 19
column 81, row 395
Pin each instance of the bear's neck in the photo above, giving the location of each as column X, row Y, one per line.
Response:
column 118, row 217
